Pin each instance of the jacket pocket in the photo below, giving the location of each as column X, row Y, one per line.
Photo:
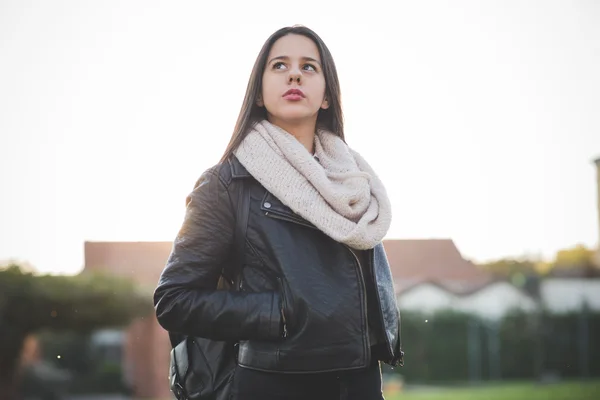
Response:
column 258, row 280
column 255, row 279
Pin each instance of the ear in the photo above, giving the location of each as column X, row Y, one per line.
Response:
column 259, row 101
column 325, row 104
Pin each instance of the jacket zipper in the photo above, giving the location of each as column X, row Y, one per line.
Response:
column 385, row 336
column 363, row 304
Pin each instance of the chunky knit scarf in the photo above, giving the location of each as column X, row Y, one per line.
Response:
column 338, row 192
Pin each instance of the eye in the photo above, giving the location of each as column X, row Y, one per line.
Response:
column 279, row 65
column 310, row 67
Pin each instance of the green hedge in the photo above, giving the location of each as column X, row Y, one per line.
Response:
column 456, row 347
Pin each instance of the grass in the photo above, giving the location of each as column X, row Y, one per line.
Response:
column 521, row 391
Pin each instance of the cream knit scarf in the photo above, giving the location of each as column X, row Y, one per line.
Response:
column 340, row 194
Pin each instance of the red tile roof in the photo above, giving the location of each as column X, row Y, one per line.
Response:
column 413, row 261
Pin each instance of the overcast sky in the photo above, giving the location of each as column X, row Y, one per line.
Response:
column 481, row 117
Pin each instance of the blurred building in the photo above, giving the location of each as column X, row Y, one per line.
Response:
column 432, row 275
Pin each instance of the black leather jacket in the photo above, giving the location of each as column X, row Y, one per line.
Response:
column 302, row 303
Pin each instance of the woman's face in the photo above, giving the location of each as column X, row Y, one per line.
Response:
column 293, row 84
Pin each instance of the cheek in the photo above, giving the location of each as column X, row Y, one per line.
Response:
column 319, row 92
column 319, row 86
column 269, row 89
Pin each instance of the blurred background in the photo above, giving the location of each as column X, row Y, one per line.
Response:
column 481, row 117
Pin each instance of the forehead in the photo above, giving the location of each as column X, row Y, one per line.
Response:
column 294, row 46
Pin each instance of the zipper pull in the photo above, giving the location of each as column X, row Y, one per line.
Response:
column 285, row 332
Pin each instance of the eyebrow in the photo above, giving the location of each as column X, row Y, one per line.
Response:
column 286, row 58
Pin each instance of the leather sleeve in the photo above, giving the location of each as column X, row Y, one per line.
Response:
column 186, row 300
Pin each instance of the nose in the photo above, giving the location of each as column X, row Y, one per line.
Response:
column 295, row 76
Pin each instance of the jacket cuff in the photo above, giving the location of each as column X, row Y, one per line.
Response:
column 398, row 359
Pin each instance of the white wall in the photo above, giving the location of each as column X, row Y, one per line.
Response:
column 496, row 300
column 491, row 302
column 563, row 295
column 426, row 298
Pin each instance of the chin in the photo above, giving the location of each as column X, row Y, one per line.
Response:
column 294, row 116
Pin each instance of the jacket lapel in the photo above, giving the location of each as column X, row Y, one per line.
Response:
column 273, row 207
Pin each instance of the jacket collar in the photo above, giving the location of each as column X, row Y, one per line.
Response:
column 237, row 169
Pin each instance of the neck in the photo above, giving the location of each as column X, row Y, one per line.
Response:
column 303, row 131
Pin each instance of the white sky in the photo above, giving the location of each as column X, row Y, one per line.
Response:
column 482, row 117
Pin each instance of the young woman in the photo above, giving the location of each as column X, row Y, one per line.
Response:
column 315, row 312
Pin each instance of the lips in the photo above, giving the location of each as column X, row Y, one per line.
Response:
column 293, row 94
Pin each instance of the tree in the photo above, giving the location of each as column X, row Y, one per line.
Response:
column 82, row 303
column 575, row 257
column 577, row 261
column 523, row 272
column 508, row 267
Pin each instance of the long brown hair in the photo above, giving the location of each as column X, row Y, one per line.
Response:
column 250, row 113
